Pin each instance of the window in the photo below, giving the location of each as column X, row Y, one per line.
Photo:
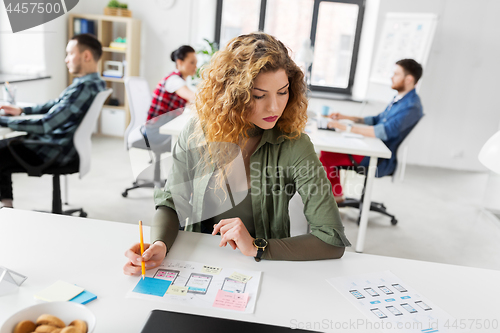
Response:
column 238, row 17
column 332, row 26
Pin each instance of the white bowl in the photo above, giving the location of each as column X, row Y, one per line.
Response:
column 66, row 311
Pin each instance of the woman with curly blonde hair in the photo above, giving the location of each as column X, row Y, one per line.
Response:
column 240, row 160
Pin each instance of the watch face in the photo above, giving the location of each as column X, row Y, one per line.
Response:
column 259, row 242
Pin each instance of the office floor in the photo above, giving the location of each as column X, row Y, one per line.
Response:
column 439, row 211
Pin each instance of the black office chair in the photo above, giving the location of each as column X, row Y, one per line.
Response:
column 398, row 172
column 83, row 145
column 358, row 203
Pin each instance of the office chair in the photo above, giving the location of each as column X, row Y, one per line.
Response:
column 83, row 146
column 398, row 172
column 145, row 135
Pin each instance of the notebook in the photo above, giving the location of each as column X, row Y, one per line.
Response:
column 174, row 322
column 60, row 291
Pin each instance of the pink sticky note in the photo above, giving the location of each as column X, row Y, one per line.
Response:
column 231, row 301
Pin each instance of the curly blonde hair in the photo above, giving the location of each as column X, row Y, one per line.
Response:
column 224, row 101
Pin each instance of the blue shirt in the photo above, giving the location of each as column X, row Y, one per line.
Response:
column 392, row 126
column 60, row 120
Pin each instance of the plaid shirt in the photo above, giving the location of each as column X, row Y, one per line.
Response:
column 61, row 118
column 163, row 101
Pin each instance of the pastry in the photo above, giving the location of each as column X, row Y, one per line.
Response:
column 80, row 324
column 70, row 329
column 45, row 329
column 51, row 320
column 25, row 326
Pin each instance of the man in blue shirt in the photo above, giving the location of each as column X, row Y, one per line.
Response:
column 391, row 126
column 59, row 118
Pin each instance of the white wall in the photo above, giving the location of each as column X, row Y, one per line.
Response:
column 460, row 81
column 164, row 30
column 39, row 49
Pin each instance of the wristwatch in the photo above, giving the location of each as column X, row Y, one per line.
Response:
column 260, row 244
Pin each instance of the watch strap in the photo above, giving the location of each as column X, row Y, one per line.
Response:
column 260, row 252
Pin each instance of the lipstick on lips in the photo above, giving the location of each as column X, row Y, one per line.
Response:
column 271, row 119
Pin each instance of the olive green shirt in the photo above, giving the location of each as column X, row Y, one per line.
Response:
column 279, row 168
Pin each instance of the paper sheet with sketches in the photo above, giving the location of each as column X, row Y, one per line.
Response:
column 392, row 305
column 202, row 285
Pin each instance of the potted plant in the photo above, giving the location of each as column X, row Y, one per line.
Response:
column 117, row 8
column 204, row 56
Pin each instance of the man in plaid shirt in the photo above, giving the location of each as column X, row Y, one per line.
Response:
column 59, row 118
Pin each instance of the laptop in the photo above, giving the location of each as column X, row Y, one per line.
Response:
column 161, row 321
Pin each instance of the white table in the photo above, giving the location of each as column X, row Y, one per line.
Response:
column 90, row 253
column 328, row 141
column 6, row 132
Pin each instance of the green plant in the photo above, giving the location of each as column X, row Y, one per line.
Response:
column 117, row 4
column 113, row 4
column 207, row 52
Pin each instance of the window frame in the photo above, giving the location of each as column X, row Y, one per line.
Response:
column 314, row 22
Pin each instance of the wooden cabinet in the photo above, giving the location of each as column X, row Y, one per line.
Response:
column 108, row 28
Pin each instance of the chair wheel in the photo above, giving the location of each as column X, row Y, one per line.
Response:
column 83, row 214
column 125, row 194
column 394, row 221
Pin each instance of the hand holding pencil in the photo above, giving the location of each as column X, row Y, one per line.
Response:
column 152, row 257
column 143, row 266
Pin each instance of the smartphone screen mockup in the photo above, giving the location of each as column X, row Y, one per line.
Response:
column 198, row 283
column 394, row 311
column 385, row 290
column 372, row 292
column 356, row 294
column 166, row 274
column 399, row 288
column 378, row 313
column 233, row 286
column 423, row 305
column 408, row 308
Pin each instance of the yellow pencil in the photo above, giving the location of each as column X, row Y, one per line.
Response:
column 143, row 266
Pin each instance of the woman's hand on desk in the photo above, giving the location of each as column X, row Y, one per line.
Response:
column 153, row 257
column 234, row 233
column 11, row 110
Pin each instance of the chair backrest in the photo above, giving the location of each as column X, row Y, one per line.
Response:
column 402, row 155
column 139, row 99
column 82, row 137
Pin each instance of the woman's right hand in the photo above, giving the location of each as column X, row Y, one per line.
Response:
column 153, row 257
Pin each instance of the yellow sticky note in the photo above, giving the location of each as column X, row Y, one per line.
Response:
column 59, row 291
column 211, row 269
column 240, row 277
column 177, row 290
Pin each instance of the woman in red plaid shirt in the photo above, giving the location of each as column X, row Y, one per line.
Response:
column 172, row 92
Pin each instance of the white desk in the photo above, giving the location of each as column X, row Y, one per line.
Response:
column 89, row 253
column 6, row 132
column 328, row 141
